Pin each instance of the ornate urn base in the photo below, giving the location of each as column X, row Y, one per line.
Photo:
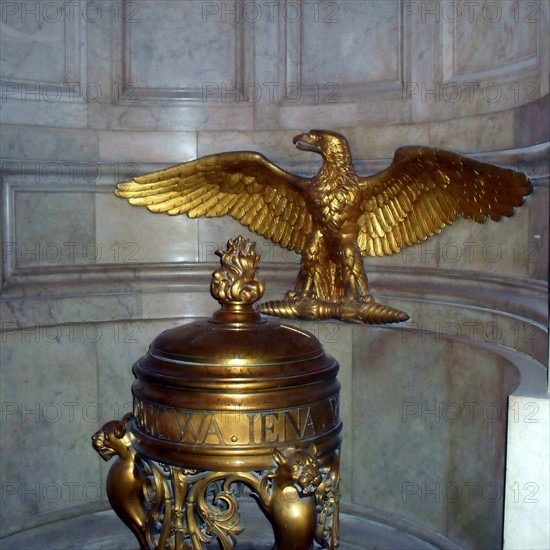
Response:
column 224, row 406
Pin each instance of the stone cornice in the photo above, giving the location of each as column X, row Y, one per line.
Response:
column 532, row 160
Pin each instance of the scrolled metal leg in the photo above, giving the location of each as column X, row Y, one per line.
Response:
column 292, row 503
column 168, row 506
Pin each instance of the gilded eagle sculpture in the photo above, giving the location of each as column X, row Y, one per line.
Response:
column 336, row 217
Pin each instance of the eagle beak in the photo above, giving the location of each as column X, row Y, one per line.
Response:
column 306, row 142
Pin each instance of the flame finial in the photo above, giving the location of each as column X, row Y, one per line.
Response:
column 236, row 282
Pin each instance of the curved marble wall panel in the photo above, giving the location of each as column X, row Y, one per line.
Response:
column 253, row 65
column 428, row 432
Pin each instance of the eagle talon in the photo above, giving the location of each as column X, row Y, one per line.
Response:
column 362, row 299
column 300, row 296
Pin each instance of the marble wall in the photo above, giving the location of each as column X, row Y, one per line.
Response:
column 96, row 92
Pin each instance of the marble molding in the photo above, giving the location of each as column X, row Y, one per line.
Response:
column 142, row 148
column 111, row 261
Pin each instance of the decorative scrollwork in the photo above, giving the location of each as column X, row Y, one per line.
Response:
column 173, row 508
column 187, row 509
column 216, row 505
column 158, row 504
column 328, row 504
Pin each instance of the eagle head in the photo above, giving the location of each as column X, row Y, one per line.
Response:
column 333, row 147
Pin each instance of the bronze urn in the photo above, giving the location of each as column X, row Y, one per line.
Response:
column 221, row 404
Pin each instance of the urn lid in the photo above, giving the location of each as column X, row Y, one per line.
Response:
column 236, row 345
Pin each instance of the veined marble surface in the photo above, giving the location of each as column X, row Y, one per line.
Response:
column 93, row 93
column 361, row 529
column 259, row 66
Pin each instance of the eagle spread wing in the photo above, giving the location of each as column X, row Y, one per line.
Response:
column 425, row 189
column 244, row 185
column 422, row 191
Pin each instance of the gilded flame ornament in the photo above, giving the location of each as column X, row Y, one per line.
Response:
column 236, row 282
column 336, row 217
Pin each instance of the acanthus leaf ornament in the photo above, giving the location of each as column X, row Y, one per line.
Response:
column 337, row 216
